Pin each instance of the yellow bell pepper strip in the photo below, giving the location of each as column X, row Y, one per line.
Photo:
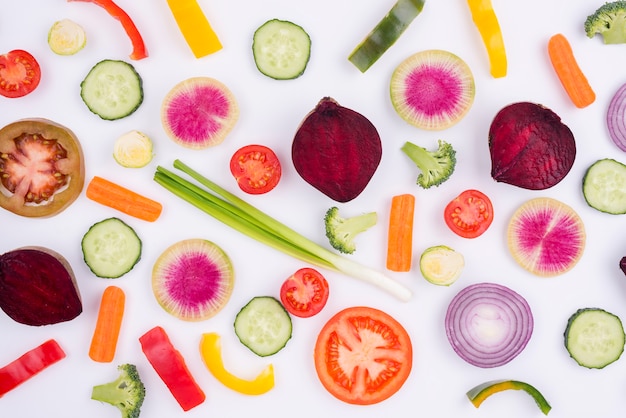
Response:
column 385, row 33
column 487, row 24
column 481, row 392
column 195, row 27
column 139, row 48
column 211, row 351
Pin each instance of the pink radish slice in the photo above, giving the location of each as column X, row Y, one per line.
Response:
column 546, row 237
column 616, row 118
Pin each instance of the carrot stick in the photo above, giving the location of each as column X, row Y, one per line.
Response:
column 571, row 76
column 400, row 233
column 108, row 325
column 127, row 201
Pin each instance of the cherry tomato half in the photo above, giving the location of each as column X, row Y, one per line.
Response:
column 256, row 169
column 469, row 214
column 304, row 293
column 363, row 355
column 19, row 73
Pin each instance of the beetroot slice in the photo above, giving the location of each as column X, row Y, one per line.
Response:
column 530, row 146
column 38, row 287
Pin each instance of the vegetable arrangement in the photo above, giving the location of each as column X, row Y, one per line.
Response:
column 363, row 355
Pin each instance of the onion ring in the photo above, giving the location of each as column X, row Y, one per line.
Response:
column 616, row 118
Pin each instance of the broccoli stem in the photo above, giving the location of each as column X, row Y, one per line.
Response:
column 423, row 159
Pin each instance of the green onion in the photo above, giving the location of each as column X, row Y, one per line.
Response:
column 245, row 218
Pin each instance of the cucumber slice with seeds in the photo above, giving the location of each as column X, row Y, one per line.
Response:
column 263, row 325
column 604, row 186
column 281, row 49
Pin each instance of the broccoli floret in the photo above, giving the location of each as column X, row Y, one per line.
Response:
column 609, row 20
column 436, row 166
column 341, row 231
column 127, row 392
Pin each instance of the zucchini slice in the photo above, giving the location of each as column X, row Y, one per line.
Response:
column 263, row 325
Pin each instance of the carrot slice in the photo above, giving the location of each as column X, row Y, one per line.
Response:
column 400, row 234
column 127, row 201
column 108, row 325
column 571, row 76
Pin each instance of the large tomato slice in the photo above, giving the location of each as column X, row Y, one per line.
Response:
column 363, row 356
column 304, row 293
column 42, row 170
column 469, row 214
column 256, row 168
column 19, row 73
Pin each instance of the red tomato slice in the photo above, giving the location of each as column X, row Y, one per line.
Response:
column 19, row 73
column 469, row 214
column 363, row 356
column 256, row 169
column 304, row 293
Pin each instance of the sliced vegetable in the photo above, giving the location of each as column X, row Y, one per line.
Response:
column 441, row 265
column 435, row 165
column 304, row 293
column 29, row 364
column 616, row 118
column 171, row 367
column 603, row 186
column 469, row 214
column 112, row 89
column 363, row 356
column 281, row 49
column 486, row 22
column 256, row 168
column 546, row 237
column 400, row 233
column 193, row 279
column 42, row 167
column 111, row 248
column 126, row 392
column 66, row 37
column 569, row 73
column 195, row 27
column 133, row 150
column 108, row 325
column 245, row 218
column 199, row 112
column 211, row 352
column 432, row 89
column 385, row 33
column 38, row 287
column 113, row 195
column 342, row 232
column 115, row 11
column 488, row 324
column 594, row 337
column 263, row 325
column 479, row 393
column 608, row 21
column 20, row 73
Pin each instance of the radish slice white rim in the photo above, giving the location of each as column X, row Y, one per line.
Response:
column 488, row 324
column 616, row 118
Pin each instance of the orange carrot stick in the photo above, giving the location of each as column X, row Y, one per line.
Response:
column 571, row 76
column 400, row 234
column 127, row 201
column 108, row 325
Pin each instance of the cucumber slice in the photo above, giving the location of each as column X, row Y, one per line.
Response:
column 263, row 325
column 594, row 337
column 112, row 89
column 281, row 49
column 111, row 248
column 604, row 186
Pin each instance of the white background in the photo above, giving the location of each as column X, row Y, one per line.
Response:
column 270, row 113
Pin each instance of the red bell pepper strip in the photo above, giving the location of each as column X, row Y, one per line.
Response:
column 29, row 364
column 171, row 368
column 139, row 48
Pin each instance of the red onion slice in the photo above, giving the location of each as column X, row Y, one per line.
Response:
column 488, row 324
column 616, row 118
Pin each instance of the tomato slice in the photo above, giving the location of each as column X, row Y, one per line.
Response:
column 363, row 355
column 256, row 168
column 469, row 214
column 19, row 73
column 304, row 293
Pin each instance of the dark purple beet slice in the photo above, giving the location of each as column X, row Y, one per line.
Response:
column 38, row 287
column 530, row 146
column 336, row 150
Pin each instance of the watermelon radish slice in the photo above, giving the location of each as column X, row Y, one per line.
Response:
column 193, row 279
column 199, row 112
column 432, row 89
column 546, row 237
